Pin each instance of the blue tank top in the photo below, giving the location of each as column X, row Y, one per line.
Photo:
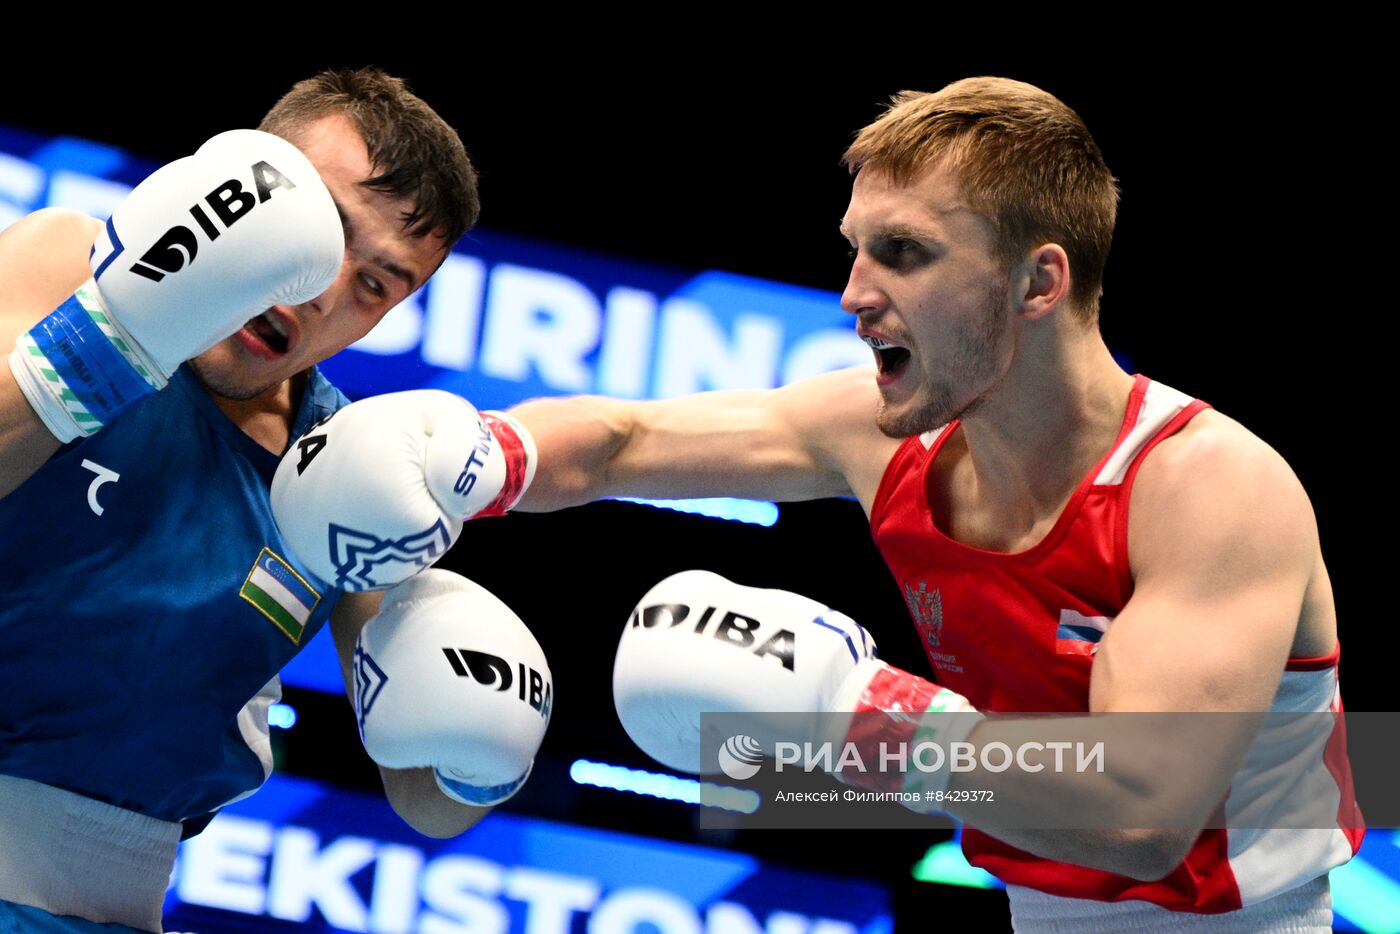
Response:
column 145, row 597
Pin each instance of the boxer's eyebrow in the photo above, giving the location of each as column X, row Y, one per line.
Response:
column 383, row 262
column 395, row 270
column 344, row 221
column 909, row 232
column 897, row 231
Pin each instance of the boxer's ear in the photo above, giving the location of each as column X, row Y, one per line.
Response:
column 1042, row 281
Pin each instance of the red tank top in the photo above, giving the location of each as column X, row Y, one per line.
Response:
column 1018, row 632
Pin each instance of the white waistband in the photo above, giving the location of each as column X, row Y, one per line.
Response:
column 72, row 855
column 1304, row 910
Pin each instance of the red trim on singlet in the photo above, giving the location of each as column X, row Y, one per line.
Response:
column 1315, row 662
column 1186, row 888
column 891, row 476
column 1125, row 490
column 1334, row 757
column 1067, row 515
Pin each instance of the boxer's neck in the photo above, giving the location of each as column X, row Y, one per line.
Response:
column 267, row 418
column 1026, row 449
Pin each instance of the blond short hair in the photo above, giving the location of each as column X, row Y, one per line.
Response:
column 1024, row 160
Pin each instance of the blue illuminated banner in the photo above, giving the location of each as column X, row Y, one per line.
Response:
column 507, row 319
column 513, row 320
column 329, row 860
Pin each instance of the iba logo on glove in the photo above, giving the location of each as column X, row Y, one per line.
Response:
column 179, row 245
column 492, row 670
column 728, row 627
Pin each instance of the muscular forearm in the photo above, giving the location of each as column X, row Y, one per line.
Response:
column 1160, row 781
column 578, row 441
column 795, row 443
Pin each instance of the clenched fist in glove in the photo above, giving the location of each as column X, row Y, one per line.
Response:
column 379, row 490
column 792, row 669
column 447, row 676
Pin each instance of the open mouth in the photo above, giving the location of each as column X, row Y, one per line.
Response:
column 890, row 358
column 271, row 331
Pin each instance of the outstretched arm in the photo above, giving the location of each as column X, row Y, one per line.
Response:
column 811, row 439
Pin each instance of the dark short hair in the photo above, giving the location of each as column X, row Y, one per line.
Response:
column 1023, row 160
column 417, row 155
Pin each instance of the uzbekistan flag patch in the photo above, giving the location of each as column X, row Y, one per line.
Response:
column 280, row 594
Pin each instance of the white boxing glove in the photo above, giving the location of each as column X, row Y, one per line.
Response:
column 698, row 643
column 447, row 676
column 196, row 250
column 378, row 491
column 794, row 669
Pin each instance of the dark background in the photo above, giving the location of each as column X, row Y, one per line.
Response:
column 1237, row 275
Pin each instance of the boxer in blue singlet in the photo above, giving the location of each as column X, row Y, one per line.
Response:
column 149, row 599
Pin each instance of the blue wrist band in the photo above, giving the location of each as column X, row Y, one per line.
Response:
column 87, row 364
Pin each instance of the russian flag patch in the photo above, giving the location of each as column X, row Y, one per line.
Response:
column 1079, row 634
column 280, row 594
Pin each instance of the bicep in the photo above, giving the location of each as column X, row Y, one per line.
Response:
column 1177, row 649
column 1224, row 544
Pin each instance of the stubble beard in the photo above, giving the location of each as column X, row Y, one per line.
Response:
column 975, row 353
column 220, row 383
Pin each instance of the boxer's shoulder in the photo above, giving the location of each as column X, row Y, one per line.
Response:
column 1215, row 480
column 1222, row 532
column 1211, row 450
